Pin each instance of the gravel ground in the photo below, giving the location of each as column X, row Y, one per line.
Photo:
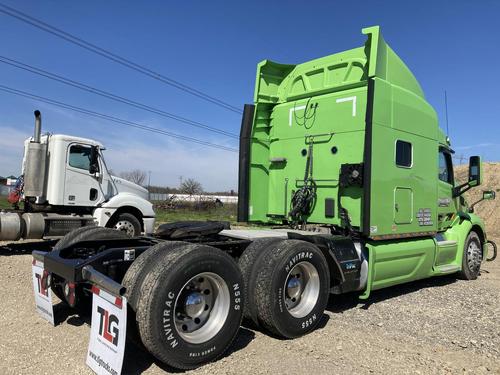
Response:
column 440, row 325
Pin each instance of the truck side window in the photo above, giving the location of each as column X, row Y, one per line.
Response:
column 79, row 157
column 403, row 154
column 445, row 167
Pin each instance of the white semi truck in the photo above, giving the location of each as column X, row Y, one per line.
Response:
column 66, row 185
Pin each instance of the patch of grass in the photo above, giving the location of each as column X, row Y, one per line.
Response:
column 226, row 213
column 4, row 204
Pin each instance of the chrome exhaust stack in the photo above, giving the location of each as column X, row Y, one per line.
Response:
column 34, row 171
column 38, row 127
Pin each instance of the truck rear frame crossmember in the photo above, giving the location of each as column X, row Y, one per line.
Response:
column 96, row 261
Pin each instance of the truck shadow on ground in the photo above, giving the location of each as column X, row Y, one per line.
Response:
column 65, row 314
column 26, row 248
column 14, row 249
column 340, row 303
column 137, row 359
column 251, row 326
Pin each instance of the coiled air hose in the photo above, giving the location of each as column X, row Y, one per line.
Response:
column 494, row 247
column 304, row 198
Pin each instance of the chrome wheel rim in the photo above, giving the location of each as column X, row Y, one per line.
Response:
column 125, row 226
column 202, row 307
column 474, row 256
column 301, row 289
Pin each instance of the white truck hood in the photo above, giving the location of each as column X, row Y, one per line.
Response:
column 125, row 186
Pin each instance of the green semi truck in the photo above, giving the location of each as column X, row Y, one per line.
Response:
column 343, row 163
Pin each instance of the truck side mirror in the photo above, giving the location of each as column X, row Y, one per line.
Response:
column 94, row 160
column 475, row 176
column 489, row 195
column 475, row 171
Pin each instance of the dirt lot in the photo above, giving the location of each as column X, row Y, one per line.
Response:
column 441, row 325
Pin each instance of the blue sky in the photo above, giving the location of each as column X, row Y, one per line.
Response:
column 215, row 46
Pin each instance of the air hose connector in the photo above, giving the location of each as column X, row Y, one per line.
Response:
column 494, row 247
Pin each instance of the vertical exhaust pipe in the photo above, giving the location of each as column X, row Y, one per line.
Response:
column 38, row 127
column 34, row 166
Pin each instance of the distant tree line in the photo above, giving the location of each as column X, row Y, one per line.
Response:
column 136, row 176
column 189, row 186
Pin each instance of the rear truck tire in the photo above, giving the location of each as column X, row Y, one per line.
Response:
column 75, row 236
column 472, row 257
column 127, row 223
column 69, row 238
column 190, row 306
column 133, row 279
column 137, row 271
column 86, row 234
column 292, row 288
column 249, row 266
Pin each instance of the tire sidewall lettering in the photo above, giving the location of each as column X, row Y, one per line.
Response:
column 297, row 258
column 169, row 331
column 172, row 342
column 308, row 322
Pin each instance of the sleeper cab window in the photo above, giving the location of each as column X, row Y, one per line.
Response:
column 404, row 154
column 79, row 157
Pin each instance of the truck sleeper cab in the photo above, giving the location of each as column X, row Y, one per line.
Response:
column 343, row 157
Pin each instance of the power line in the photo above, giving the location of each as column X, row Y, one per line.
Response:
column 112, row 118
column 112, row 56
column 121, row 99
column 461, row 158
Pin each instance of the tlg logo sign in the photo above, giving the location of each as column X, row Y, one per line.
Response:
column 108, row 332
column 108, row 325
column 41, row 290
column 43, row 295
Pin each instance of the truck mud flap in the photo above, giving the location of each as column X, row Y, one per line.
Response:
column 108, row 330
column 41, row 290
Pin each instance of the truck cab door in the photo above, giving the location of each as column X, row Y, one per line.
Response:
column 108, row 188
column 81, row 188
column 446, row 204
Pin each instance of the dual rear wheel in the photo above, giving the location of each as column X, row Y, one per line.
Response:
column 188, row 299
column 287, row 286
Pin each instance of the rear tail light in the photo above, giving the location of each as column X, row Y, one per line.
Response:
column 69, row 293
